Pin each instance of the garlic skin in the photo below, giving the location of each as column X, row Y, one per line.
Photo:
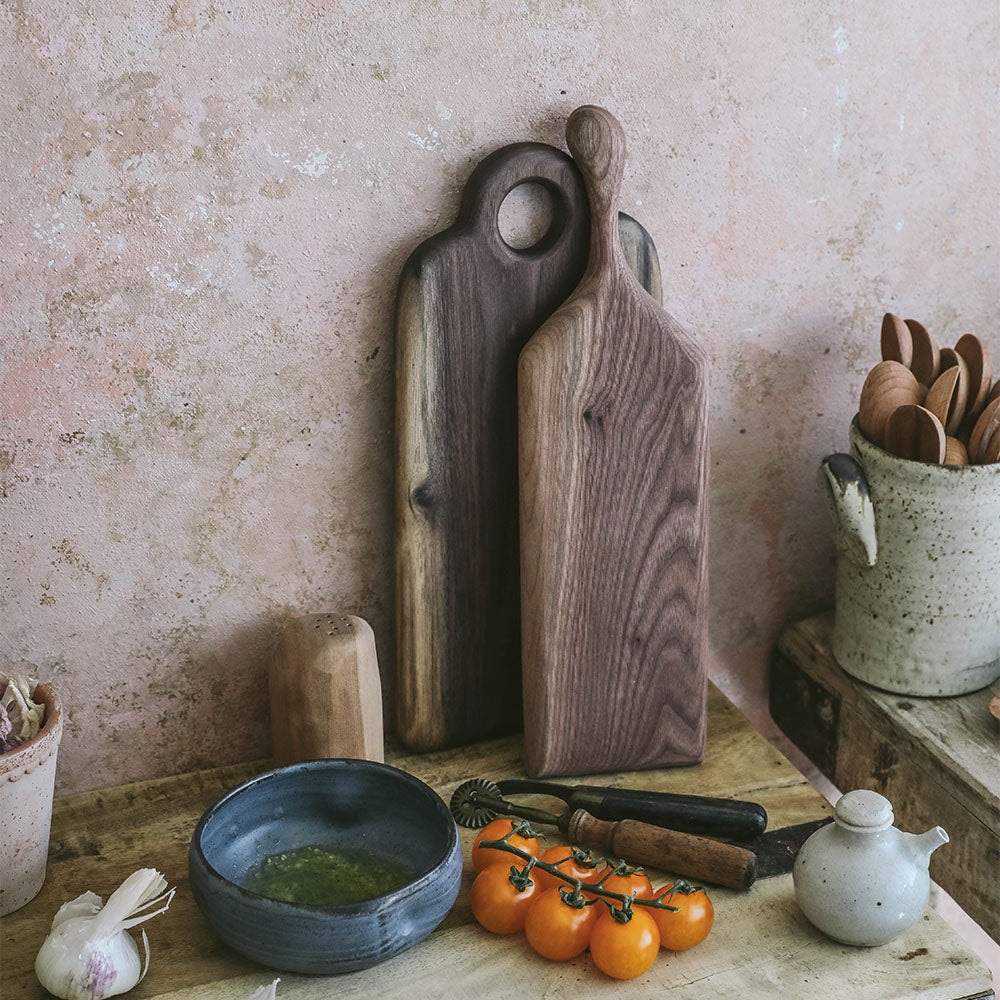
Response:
column 89, row 953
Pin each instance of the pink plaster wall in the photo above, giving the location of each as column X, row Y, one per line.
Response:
column 204, row 210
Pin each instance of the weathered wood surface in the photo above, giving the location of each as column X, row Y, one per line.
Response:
column 324, row 690
column 614, row 511
column 467, row 304
column 935, row 759
column 761, row 946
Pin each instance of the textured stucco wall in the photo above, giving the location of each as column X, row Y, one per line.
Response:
column 204, row 210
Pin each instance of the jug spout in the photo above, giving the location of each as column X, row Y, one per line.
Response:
column 923, row 845
column 845, row 489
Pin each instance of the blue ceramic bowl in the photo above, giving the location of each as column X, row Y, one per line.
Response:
column 337, row 804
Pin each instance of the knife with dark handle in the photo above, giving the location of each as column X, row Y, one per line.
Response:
column 710, row 817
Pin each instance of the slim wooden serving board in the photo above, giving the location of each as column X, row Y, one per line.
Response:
column 614, row 511
column 467, row 304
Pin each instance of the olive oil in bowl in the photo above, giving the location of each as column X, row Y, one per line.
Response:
column 323, row 876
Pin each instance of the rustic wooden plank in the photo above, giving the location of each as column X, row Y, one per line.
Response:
column 934, row 758
column 467, row 304
column 761, row 947
column 612, row 397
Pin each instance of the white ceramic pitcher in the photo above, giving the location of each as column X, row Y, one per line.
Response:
column 918, row 570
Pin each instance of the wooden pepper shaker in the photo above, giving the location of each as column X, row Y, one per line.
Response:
column 326, row 698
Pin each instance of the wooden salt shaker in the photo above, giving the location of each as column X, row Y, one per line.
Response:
column 326, row 698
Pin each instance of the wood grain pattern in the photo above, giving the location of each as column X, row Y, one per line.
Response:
column 699, row 859
column 613, row 465
column 324, row 690
column 933, row 758
column 914, row 432
column 467, row 304
column 762, row 946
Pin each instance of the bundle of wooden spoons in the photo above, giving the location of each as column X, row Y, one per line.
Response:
column 931, row 404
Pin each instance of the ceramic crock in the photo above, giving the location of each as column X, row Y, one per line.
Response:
column 27, row 778
column 918, row 570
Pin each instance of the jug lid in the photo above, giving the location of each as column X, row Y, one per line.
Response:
column 864, row 810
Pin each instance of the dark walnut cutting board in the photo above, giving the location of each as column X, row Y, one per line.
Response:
column 467, row 304
column 614, row 508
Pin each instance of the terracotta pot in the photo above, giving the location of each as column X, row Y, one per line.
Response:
column 918, row 594
column 27, row 777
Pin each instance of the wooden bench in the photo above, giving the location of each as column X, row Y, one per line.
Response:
column 761, row 945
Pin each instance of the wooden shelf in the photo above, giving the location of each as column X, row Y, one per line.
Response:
column 935, row 759
column 761, row 947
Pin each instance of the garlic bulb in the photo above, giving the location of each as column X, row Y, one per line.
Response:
column 89, row 953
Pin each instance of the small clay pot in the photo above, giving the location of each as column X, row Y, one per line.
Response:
column 27, row 779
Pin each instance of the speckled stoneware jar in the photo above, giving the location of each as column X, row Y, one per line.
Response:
column 918, row 570
column 27, row 777
column 859, row 879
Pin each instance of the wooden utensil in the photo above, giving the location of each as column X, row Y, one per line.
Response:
column 897, row 341
column 890, row 384
column 639, row 843
column 985, row 429
column 995, row 706
column 946, row 398
column 977, row 357
column 955, row 452
column 467, row 304
column 914, row 432
column 614, row 508
column 325, row 694
column 991, row 452
column 926, row 360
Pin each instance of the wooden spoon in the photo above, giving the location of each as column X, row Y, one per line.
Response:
column 897, row 341
column 991, row 453
column 980, row 370
column 985, row 430
column 995, row 706
column 926, row 361
column 947, row 397
column 888, row 385
column 954, row 452
column 994, row 392
column 914, row 432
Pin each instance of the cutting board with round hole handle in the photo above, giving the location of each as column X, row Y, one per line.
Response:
column 613, row 511
column 467, row 303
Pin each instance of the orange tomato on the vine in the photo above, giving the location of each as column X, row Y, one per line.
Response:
column 692, row 921
column 497, row 903
column 483, row 857
column 568, row 861
column 557, row 929
column 624, row 950
column 627, row 881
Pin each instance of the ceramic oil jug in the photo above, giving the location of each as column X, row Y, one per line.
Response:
column 918, row 592
column 860, row 880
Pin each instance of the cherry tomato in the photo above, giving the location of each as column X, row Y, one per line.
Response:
column 564, row 860
column 557, row 930
column 624, row 950
column 497, row 904
column 483, row 857
column 628, row 881
column 692, row 921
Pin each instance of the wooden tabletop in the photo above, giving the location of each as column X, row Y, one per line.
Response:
column 761, row 945
column 935, row 759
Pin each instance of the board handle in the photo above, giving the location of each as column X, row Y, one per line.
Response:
column 508, row 168
column 597, row 141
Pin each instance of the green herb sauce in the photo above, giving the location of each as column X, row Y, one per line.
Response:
column 314, row 874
